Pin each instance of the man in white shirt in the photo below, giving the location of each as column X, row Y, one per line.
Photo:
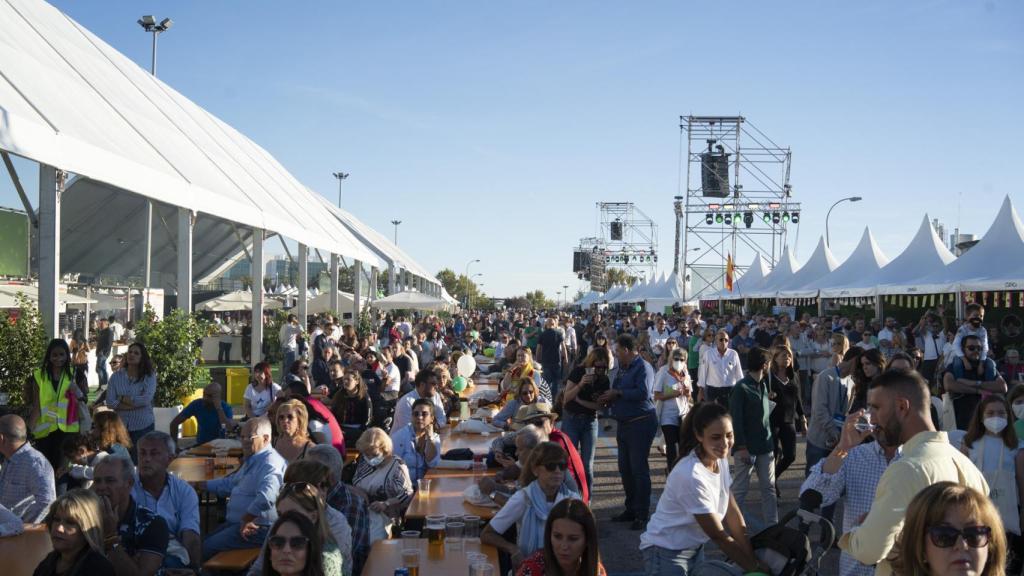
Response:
column 390, row 375
column 426, row 383
column 289, row 340
column 116, row 329
column 719, row 371
column 658, row 334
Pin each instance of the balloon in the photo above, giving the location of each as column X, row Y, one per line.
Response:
column 459, row 384
column 466, row 365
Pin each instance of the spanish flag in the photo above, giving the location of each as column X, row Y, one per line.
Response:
column 729, row 269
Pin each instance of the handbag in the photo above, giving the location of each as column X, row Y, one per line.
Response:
column 948, row 415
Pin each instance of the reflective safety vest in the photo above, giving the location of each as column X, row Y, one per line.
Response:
column 53, row 406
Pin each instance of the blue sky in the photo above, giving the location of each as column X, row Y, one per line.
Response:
column 492, row 128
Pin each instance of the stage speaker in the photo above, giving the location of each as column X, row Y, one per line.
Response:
column 577, row 261
column 714, row 174
column 616, row 230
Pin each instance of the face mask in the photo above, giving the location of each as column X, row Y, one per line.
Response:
column 677, row 365
column 1018, row 411
column 995, row 424
column 375, row 461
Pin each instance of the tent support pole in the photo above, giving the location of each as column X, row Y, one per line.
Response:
column 149, row 244
column 392, row 281
column 51, row 186
column 284, row 245
column 245, row 247
column 186, row 221
column 357, row 291
column 256, row 269
column 334, row 283
column 21, row 190
column 303, row 282
column 879, row 310
column 373, row 282
column 821, row 306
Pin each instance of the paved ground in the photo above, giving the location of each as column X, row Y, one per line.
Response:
column 620, row 551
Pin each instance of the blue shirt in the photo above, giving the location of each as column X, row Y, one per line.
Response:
column 206, row 416
column 857, row 478
column 253, row 488
column 404, row 441
column 636, row 399
column 178, row 504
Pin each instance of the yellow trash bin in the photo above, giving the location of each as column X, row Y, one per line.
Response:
column 238, row 379
column 190, row 427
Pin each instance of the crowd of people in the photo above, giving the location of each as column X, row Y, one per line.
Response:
column 916, row 429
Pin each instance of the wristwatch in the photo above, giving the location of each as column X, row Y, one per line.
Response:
column 492, row 494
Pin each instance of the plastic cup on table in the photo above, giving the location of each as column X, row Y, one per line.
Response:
column 481, row 569
column 475, row 558
column 435, row 528
column 453, row 534
column 424, row 486
column 411, row 560
column 410, row 534
column 471, row 533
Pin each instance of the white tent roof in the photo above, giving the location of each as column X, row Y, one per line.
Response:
column 409, row 299
column 9, row 293
column 668, row 293
column 321, row 303
column 633, row 293
column 588, row 299
column 996, row 262
column 232, row 301
column 70, row 100
column 782, row 272
column 613, row 292
column 448, row 297
column 801, row 283
column 866, row 261
column 924, row 255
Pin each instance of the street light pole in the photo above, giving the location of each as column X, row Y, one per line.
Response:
column 829, row 213
column 565, row 295
column 396, row 223
column 341, row 176
column 466, row 276
column 149, row 24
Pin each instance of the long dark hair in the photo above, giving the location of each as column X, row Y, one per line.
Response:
column 54, row 344
column 861, row 383
column 146, row 367
column 976, row 429
column 314, row 550
column 696, row 421
column 576, row 511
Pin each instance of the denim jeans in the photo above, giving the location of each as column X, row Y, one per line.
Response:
column 814, row 455
column 582, row 432
column 660, row 561
column 102, row 371
column 289, row 357
column 634, row 441
column 553, row 376
column 719, row 395
column 765, row 466
column 228, row 537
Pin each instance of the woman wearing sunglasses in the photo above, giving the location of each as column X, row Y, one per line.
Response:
column 417, row 443
column 306, row 500
column 542, row 480
column 295, row 547
column 951, row 530
column 292, row 430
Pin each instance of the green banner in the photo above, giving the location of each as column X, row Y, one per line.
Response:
column 13, row 243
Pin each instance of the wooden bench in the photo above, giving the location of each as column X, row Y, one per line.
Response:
column 232, row 560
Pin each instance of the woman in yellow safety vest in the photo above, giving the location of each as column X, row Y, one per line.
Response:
column 51, row 394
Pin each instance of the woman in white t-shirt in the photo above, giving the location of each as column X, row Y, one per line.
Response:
column 672, row 391
column 260, row 392
column 697, row 505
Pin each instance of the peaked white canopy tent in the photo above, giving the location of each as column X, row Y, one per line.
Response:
column 866, row 260
column 782, row 272
column 155, row 162
column 801, row 283
column 749, row 282
column 234, row 301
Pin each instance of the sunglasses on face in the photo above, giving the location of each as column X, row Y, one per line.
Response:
column 947, row 536
column 421, row 414
column 552, row 466
column 600, row 367
column 723, row 339
column 972, row 348
column 295, row 542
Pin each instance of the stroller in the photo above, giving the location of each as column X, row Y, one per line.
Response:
column 787, row 547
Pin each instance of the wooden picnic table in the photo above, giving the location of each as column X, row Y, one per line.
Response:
column 446, row 498
column 386, row 555
column 206, row 451
column 477, row 443
column 194, row 470
column 467, row 392
column 22, row 553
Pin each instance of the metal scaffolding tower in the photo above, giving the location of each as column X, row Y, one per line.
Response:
column 737, row 198
column 630, row 238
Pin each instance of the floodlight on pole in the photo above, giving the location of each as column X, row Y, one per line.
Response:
column 396, row 223
column 341, row 176
column 829, row 213
column 149, row 24
column 466, row 276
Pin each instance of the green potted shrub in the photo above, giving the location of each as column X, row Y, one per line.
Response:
column 22, row 345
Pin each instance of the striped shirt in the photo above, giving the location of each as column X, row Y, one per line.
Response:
column 140, row 415
column 27, row 486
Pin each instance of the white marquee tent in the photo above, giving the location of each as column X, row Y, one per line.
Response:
column 782, row 272
column 801, row 283
column 749, row 282
column 866, row 260
column 926, row 255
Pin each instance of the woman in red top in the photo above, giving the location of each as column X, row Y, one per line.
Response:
column 570, row 544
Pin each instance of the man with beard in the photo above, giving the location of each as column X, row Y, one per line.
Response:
column 969, row 377
column 899, row 406
column 851, row 473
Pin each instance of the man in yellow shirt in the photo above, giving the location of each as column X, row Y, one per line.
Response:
column 899, row 405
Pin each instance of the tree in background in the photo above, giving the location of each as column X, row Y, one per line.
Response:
column 615, row 276
column 175, row 345
column 459, row 286
column 22, row 345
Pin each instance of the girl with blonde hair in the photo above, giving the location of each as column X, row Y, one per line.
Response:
column 292, row 430
column 75, row 525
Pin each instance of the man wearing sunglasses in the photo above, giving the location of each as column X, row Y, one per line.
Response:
column 899, row 404
column 968, row 377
